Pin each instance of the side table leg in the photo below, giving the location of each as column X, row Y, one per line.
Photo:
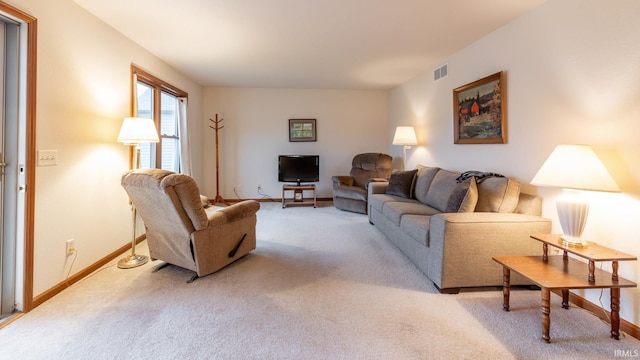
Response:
column 506, row 287
column 615, row 313
column 565, row 298
column 592, row 268
column 545, row 314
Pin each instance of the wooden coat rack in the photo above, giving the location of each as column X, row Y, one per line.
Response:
column 216, row 126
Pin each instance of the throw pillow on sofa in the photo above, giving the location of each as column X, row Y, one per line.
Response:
column 464, row 197
column 496, row 194
column 401, row 183
column 442, row 186
column 424, row 178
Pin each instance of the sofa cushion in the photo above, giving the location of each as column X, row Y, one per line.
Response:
column 424, row 177
column 417, row 227
column 401, row 183
column 464, row 198
column 442, row 186
column 394, row 211
column 377, row 201
column 498, row 194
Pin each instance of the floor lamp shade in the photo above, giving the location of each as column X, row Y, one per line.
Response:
column 138, row 130
column 405, row 136
column 574, row 168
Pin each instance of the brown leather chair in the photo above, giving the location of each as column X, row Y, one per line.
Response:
column 181, row 231
column 350, row 192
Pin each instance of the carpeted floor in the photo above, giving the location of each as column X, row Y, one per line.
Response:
column 322, row 284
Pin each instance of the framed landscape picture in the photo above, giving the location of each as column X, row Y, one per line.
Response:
column 302, row 130
column 479, row 112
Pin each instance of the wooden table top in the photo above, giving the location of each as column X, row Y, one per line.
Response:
column 591, row 251
column 560, row 274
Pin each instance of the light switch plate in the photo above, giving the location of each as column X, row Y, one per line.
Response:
column 47, row 157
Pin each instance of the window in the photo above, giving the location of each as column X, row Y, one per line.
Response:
column 158, row 100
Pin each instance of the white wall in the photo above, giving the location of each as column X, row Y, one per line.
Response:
column 256, row 131
column 572, row 76
column 83, row 93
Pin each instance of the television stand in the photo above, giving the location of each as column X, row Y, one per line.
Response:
column 298, row 195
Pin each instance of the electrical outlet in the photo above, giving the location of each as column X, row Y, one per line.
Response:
column 70, row 247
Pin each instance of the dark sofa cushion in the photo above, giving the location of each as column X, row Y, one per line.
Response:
column 464, row 197
column 401, row 183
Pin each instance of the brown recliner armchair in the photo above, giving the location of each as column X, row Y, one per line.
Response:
column 181, row 231
column 350, row 192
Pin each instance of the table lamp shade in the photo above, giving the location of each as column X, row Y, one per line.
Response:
column 574, row 167
column 138, row 130
column 405, row 135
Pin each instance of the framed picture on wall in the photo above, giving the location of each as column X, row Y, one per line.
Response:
column 479, row 112
column 302, row 130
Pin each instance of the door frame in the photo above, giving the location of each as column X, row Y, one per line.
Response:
column 29, row 107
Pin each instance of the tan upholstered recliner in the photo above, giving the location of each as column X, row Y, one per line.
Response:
column 350, row 192
column 180, row 231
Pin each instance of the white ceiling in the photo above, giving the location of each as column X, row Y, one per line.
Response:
column 347, row 44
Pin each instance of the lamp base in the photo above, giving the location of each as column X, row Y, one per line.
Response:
column 132, row 261
column 572, row 241
column 573, row 210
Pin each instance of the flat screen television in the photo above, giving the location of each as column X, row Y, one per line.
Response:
column 298, row 168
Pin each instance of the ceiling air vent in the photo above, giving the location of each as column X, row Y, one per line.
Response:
column 440, row 72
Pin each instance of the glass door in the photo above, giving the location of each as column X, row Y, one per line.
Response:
column 11, row 172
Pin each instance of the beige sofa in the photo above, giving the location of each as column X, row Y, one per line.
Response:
column 450, row 230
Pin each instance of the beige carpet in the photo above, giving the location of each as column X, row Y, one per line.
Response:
column 322, row 284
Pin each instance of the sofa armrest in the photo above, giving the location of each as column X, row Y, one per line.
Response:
column 232, row 213
column 461, row 245
column 378, row 187
column 343, row 180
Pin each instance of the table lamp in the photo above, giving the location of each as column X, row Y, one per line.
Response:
column 574, row 168
column 133, row 132
column 405, row 136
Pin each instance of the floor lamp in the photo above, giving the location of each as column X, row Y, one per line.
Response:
column 405, row 136
column 135, row 131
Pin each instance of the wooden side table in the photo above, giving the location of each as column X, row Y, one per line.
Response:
column 298, row 195
column 563, row 273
